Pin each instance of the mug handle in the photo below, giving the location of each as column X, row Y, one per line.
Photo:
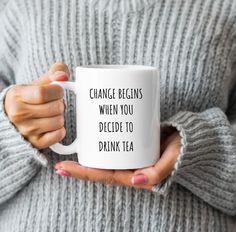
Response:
column 59, row 148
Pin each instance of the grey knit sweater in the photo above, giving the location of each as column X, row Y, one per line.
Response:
column 193, row 43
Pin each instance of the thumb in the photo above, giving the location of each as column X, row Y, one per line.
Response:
column 58, row 72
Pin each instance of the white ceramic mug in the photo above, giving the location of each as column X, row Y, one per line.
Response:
column 118, row 116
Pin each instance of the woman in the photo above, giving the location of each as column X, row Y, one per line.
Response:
column 191, row 188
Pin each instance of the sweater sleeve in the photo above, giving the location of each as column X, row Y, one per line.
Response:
column 206, row 165
column 19, row 161
column 3, row 3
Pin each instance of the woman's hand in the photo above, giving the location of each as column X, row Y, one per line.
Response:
column 37, row 110
column 141, row 178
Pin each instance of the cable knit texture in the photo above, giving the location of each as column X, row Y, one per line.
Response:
column 193, row 43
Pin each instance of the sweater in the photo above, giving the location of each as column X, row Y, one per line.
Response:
column 193, row 44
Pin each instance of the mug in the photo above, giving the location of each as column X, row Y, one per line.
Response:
column 117, row 116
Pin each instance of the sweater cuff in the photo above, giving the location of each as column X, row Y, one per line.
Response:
column 193, row 128
column 176, row 122
column 12, row 140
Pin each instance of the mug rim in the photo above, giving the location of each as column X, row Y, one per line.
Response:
column 125, row 67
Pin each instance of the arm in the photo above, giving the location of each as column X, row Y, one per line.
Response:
column 207, row 162
column 19, row 161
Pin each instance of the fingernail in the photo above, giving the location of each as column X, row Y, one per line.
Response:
column 139, row 179
column 57, row 75
column 62, row 172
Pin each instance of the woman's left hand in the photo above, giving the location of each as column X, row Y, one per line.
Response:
column 140, row 178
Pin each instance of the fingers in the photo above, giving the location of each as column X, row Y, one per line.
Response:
column 142, row 178
column 51, row 138
column 58, row 66
column 39, row 126
column 155, row 174
column 43, row 80
column 47, row 110
column 21, row 112
column 123, row 177
column 160, row 171
column 58, row 72
column 85, row 173
column 47, row 139
column 37, row 109
column 168, row 135
column 39, row 94
column 110, row 177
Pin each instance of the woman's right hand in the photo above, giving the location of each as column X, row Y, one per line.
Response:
column 37, row 110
